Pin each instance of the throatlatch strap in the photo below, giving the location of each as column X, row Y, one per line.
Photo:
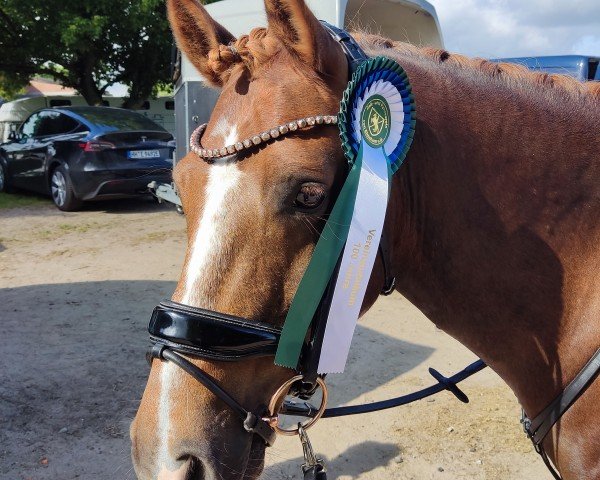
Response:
column 539, row 427
column 389, row 280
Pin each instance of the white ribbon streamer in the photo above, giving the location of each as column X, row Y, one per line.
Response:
column 358, row 258
column 368, row 218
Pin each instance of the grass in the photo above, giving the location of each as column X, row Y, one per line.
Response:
column 13, row 200
column 77, row 227
column 65, row 228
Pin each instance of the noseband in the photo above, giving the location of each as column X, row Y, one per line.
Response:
column 211, row 335
column 177, row 329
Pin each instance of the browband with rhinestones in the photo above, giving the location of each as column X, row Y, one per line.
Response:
column 280, row 131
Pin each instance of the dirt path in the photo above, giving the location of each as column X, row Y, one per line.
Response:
column 76, row 291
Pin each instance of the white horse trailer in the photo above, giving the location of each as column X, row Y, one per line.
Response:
column 413, row 21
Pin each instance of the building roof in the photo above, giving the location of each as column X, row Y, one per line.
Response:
column 42, row 86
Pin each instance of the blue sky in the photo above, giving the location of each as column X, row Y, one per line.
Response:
column 513, row 28
column 516, row 28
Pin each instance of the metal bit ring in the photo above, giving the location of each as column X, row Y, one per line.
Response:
column 280, row 394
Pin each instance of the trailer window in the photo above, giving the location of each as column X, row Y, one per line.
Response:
column 593, row 70
column 60, row 102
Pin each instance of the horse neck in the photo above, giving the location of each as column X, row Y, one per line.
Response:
column 483, row 217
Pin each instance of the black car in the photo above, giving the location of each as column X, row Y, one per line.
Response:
column 76, row 154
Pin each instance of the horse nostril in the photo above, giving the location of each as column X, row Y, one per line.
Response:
column 195, row 469
column 185, row 467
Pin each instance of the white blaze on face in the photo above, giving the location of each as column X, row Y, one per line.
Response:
column 207, row 244
column 167, row 383
column 205, row 250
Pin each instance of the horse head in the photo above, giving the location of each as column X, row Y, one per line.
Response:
column 253, row 219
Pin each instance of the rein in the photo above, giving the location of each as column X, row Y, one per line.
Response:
column 176, row 330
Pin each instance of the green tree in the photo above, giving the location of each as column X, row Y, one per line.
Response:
column 11, row 87
column 86, row 45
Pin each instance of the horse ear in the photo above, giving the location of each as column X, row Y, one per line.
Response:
column 292, row 22
column 197, row 34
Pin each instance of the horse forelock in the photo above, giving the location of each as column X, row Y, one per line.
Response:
column 255, row 51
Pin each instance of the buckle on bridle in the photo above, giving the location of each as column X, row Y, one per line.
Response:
column 526, row 422
column 155, row 351
column 305, row 389
column 255, row 424
column 277, row 400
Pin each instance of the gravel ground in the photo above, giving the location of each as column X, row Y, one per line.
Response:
column 76, row 291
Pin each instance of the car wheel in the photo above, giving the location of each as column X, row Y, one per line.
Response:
column 4, row 183
column 61, row 190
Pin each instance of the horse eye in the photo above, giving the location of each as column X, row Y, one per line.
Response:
column 310, row 196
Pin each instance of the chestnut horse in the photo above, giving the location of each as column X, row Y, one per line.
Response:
column 493, row 221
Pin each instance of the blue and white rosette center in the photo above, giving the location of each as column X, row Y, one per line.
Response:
column 394, row 100
column 385, row 78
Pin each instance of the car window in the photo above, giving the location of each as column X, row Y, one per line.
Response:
column 55, row 123
column 67, row 124
column 29, row 126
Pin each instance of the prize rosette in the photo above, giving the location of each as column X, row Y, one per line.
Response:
column 378, row 105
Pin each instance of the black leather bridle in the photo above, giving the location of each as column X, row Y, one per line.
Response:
column 177, row 329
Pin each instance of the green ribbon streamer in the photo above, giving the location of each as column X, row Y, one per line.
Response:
column 319, row 271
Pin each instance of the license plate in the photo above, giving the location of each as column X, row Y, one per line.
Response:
column 143, row 154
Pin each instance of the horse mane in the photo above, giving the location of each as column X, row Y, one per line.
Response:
column 510, row 73
column 257, row 48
